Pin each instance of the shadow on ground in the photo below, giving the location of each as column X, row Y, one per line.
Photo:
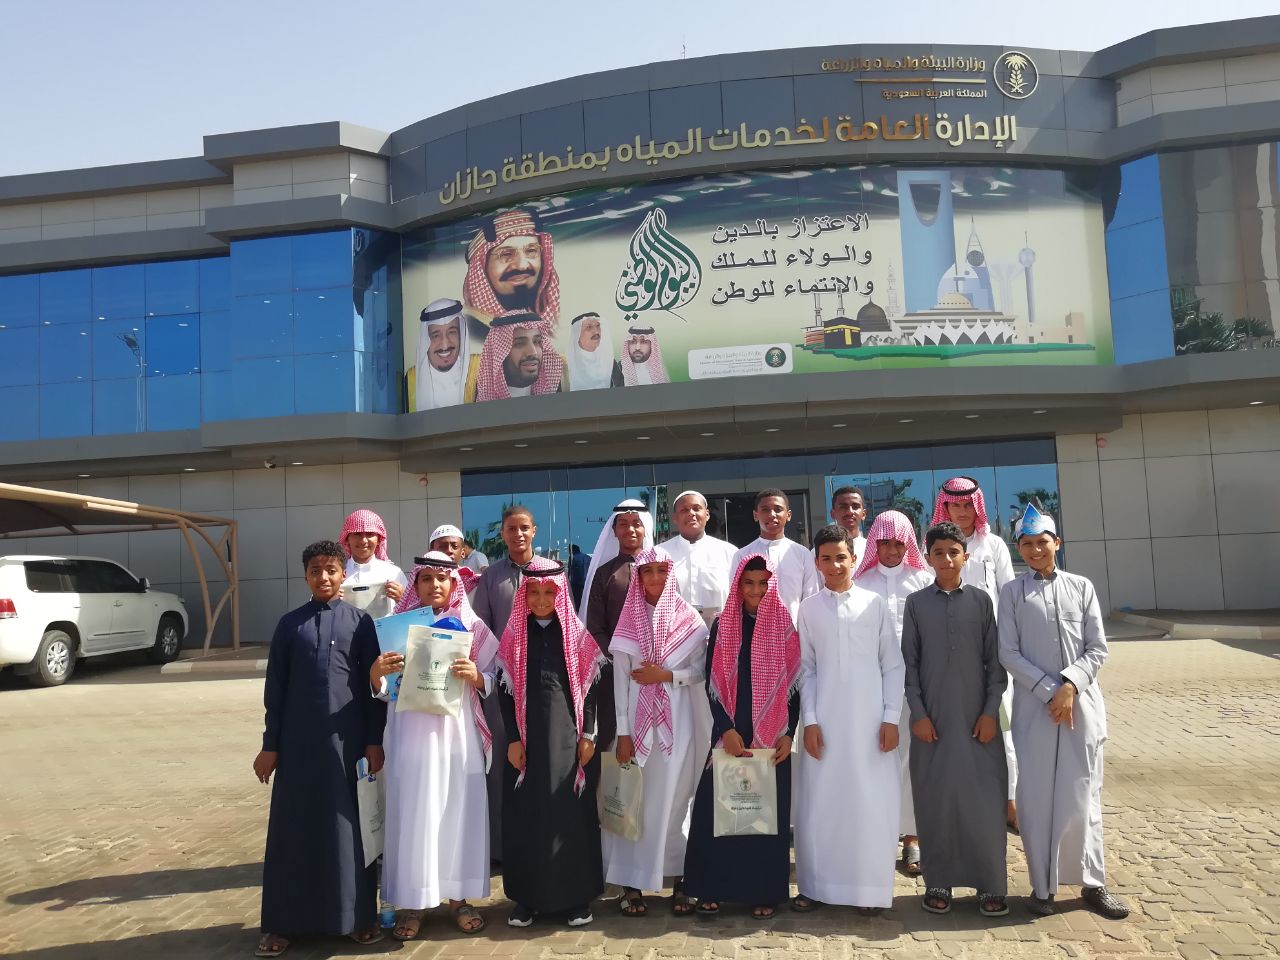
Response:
column 129, row 887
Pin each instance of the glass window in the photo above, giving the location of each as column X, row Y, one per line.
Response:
column 1140, row 196
column 1136, row 259
column 215, row 341
column 27, row 426
column 66, row 353
column 321, row 260
column 66, row 296
column 215, row 396
column 325, row 320
column 262, row 326
column 262, row 265
column 119, row 406
column 173, row 403
column 99, row 576
column 66, row 409
column 49, row 576
column 262, row 388
column 19, row 301
column 1014, row 488
column 215, row 284
column 118, row 292
column 173, row 287
column 119, row 349
column 173, row 345
column 324, row 383
column 378, row 383
column 19, row 356
column 1142, row 327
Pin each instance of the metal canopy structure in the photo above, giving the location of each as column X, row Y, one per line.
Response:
column 31, row 512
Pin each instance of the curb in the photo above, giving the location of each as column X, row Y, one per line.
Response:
column 210, row 665
column 1201, row 631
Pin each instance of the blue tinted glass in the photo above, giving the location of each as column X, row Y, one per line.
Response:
column 1142, row 327
column 322, row 260
column 119, row 406
column 173, row 287
column 19, row 357
column 1139, row 192
column 215, row 284
column 324, row 320
column 215, row 341
column 261, row 265
column 27, row 426
column 118, row 292
column 378, row 383
column 19, row 300
column 262, row 388
column 173, row 403
column 119, row 349
column 215, row 396
column 66, row 353
column 325, row 383
column 173, row 345
column 262, row 326
column 66, row 410
column 66, row 296
column 1136, row 260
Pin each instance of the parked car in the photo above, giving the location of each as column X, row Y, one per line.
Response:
column 55, row 611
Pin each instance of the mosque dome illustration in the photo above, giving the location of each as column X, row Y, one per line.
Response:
column 872, row 319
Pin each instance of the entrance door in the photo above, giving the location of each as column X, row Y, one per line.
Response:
column 733, row 515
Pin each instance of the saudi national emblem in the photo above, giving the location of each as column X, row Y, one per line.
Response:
column 663, row 273
column 1016, row 75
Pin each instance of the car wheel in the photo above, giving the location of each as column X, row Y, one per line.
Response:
column 55, row 659
column 168, row 641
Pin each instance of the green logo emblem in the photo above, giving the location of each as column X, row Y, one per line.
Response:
column 775, row 357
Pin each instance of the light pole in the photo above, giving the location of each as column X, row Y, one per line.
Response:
column 130, row 341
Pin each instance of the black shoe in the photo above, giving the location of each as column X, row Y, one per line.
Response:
column 1104, row 904
column 580, row 916
column 521, row 916
column 1041, row 907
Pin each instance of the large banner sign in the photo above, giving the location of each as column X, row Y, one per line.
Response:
column 758, row 273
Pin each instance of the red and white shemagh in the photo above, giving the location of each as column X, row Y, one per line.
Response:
column 891, row 525
column 484, row 645
column 775, row 658
column 365, row 521
column 492, row 382
column 582, row 655
column 478, row 293
column 664, row 637
column 961, row 490
column 657, row 369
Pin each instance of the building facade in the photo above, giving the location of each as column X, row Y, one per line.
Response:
column 1055, row 271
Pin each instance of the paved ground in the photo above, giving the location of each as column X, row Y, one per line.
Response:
column 131, row 826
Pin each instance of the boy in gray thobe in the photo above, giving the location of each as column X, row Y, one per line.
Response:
column 1052, row 642
column 959, row 778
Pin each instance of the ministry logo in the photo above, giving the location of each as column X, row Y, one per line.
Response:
column 775, row 357
column 1016, row 75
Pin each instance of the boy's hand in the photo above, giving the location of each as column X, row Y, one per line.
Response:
column 586, row 750
column 467, row 671
column 264, row 764
column 386, row 664
column 986, row 729
column 888, row 737
column 625, row 750
column 924, row 731
column 650, row 673
column 813, row 744
column 781, row 749
column 515, row 755
column 376, row 758
column 1060, row 707
column 732, row 743
column 394, row 590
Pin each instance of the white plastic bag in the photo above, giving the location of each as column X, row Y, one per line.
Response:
column 746, row 794
column 371, row 798
column 620, row 800
column 429, row 685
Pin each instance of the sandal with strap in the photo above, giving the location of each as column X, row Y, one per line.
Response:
column 632, row 904
column 802, row 904
column 911, row 859
column 271, row 945
column 992, row 905
column 367, row 938
column 681, row 903
column 937, row 900
column 764, row 911
column 708, row 908
column 408, row 924
column 464, row 915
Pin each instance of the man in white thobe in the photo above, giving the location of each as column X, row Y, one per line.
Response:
column 703, row 563
column 1052, row 643
column 852, row 677
column 792, row 563
column 441, row 370
column 849, row 510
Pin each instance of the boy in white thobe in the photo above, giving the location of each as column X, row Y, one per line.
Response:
column 1052, row 642
column 373, row 583
column 851, row 687
column 793, row 564
column 702, row 562
column 659, row 652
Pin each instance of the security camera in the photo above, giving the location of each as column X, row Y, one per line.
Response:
column 269, row 463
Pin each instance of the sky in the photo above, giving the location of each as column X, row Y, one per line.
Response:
column 94, row 82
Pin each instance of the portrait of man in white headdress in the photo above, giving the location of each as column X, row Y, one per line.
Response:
column 642, row 357
column 591, row 361
column 441, row 369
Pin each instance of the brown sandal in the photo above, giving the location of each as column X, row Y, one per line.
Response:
column 408, row 924
column 368, row 937
column 463, row 915
column 271, row 945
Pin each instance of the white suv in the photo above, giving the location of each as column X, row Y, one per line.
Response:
column 56, row 610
